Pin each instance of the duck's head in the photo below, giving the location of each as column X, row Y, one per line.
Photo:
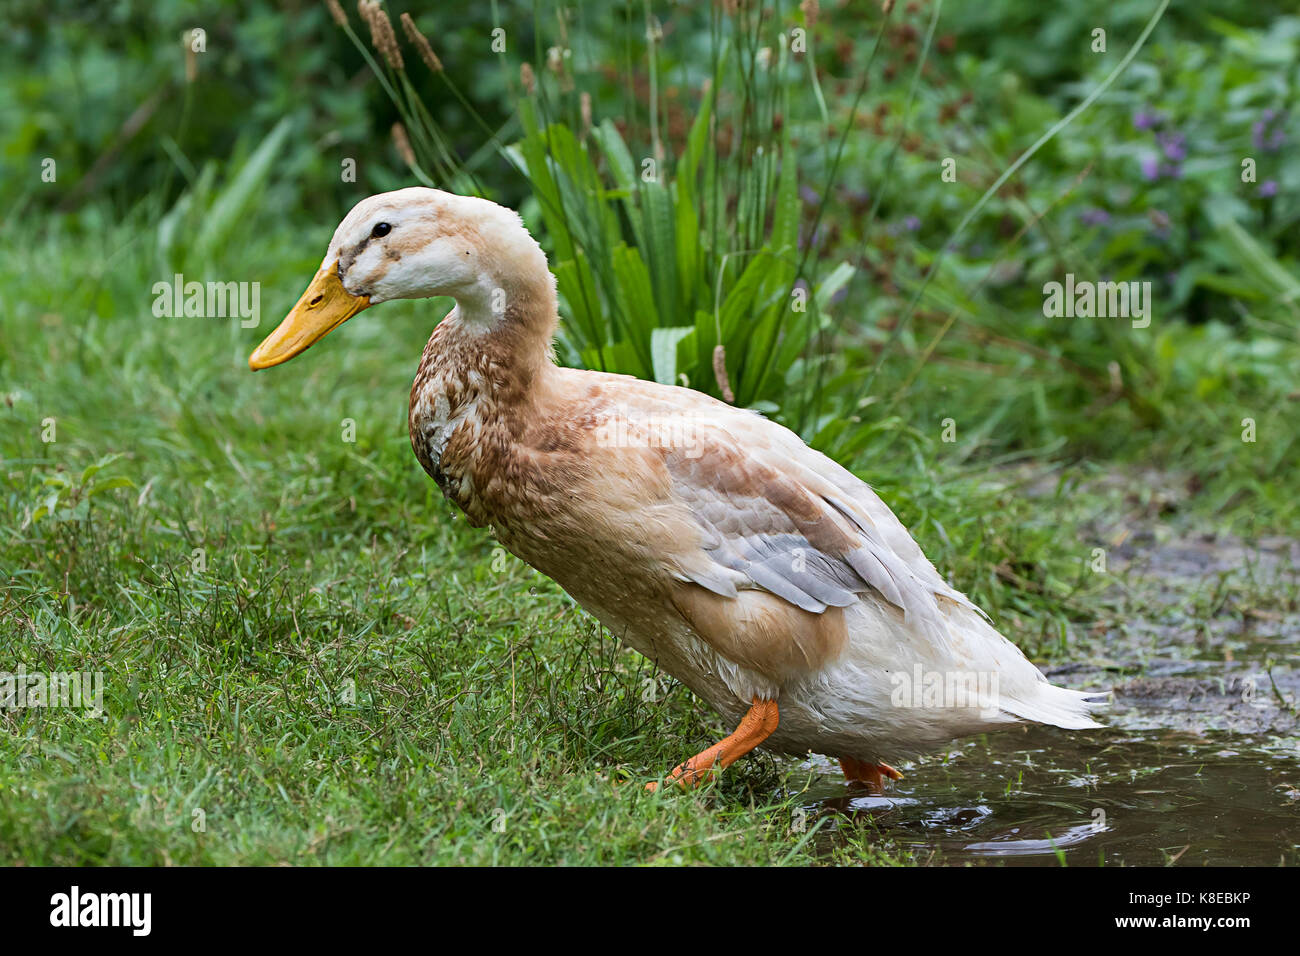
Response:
column 413, row 244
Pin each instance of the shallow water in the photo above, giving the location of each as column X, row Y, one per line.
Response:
column 1043, row 797
column 1199, row 763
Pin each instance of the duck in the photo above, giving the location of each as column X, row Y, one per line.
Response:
column 766, row 577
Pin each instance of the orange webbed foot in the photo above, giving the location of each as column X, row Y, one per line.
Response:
column 755, row 727
column 870, row 775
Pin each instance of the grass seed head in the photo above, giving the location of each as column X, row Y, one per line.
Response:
column 403, row 144
column 381, row 32
column 421, row 44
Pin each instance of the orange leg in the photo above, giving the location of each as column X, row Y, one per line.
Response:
column 755, row 727
column 871, row 774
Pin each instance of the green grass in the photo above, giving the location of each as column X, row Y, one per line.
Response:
column 301, row 640
column 355, row 676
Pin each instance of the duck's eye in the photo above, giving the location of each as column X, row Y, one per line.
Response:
column 381, row 229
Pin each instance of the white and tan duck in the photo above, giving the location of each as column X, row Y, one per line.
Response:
column 767, row 578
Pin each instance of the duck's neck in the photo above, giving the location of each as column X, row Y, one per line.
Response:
column 509, row 317
column 486, row 363
column 501, row 327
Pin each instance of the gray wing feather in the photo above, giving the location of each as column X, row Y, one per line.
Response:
column 780, row 559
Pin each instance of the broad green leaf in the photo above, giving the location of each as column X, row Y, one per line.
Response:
column 661, row 247
column 236, row 199
column 99, row 487
column 93, row 469
column 837, row 279
column 663, row 350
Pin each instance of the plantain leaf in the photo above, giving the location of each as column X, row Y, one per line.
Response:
column 663, row 350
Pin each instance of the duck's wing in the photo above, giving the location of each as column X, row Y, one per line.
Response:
column 778, row 516
column 772, row 538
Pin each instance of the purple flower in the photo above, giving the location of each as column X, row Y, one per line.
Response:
column 1257, row 131
column 1146, row 119
column 1150, row 167
column 1174, row 145
column 809, row 195
column 1267, row 133
column 1171, row 170
column 907, row 224
column 1094, row 217
column 1268, row 188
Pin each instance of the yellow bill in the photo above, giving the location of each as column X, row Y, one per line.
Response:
column 323, row 307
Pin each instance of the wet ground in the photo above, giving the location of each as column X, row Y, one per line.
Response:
column 1199, row 763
